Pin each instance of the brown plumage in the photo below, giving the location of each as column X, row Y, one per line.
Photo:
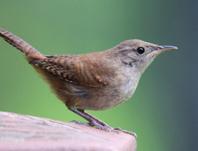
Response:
column 75, row 79
column 97, row 80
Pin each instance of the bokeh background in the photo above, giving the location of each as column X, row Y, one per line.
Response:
column 164, row 109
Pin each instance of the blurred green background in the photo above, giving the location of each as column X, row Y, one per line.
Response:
column 163, row 111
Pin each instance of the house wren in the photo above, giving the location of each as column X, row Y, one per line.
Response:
column 93, row 81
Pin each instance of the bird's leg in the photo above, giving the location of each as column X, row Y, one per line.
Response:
column 97, row 123
column 92, row 120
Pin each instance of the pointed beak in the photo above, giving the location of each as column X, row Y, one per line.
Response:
column 167, row 47
column 158, row 49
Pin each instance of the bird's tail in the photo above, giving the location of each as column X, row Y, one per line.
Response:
column 27, row 49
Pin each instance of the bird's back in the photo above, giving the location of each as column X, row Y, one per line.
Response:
column 81, row 81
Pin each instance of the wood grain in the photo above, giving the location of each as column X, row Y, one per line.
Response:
column 28, row 133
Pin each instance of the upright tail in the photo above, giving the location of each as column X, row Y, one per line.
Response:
column 27, row 49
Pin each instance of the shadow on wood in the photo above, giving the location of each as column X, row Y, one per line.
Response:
column 24, row 133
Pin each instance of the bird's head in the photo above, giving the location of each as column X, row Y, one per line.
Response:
column 139, row 54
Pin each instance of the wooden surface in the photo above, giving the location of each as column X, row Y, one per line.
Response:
column 28, row 133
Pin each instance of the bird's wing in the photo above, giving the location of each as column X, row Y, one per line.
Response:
column 77, row 71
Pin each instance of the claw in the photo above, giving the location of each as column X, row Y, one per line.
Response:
column 127, row 132
column 78, row 122
column 101, row 126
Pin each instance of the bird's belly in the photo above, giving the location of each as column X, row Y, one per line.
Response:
column 108, row 97
column 95, row 98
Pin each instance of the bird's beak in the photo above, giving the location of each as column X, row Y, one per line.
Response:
column 166, row 48
column 158, row 49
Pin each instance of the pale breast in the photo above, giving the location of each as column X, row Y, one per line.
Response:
column 128, row 88
column 128, row 83
column 122, row 89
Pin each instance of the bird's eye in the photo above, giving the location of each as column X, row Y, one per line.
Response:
column 140, row 50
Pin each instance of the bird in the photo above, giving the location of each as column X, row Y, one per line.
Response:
column 92, row 81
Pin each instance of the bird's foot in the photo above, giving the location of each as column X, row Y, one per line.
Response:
column 105, row 127
column 127, row 132
column 78, row 122
column 101, row 126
